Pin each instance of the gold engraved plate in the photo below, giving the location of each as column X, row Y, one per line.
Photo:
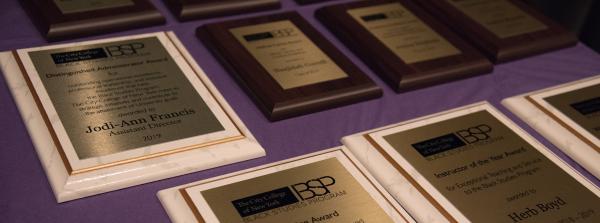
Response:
column 322, row 191
column 491, row 174
column 499, row 17
column 288, row 55
column 403, row 33
column 74, row 6
column 582, row 106
column 123, row 95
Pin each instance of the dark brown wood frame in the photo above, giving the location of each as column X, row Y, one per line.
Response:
column 399, row 75
column 272, row 99
column 55, row 25
column 506, row 49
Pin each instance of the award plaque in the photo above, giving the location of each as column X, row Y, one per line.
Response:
column 568, row 116
column 327, row 186
column 402, row 43
column 502, row 29
column 472, row 164
column 109, row 114
column 186, row 10
column 287, row 66
column 62, row 19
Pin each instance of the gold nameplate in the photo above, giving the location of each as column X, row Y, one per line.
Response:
column 322, row 191
column 491, row 174
column 123, row 95
column 73, row 6
column 499, row 17
column 403, row 33
column 582, row 106
column 287, row 54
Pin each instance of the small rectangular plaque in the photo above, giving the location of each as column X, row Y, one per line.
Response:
column 112, row 113
column 63, row 19
column 500, row 17
column 320, row 187
column 473, row 165
column 289, row 67
column 290, row 57
column 186, row 10
column 568, row 115
column 403, row 33
column 503, row 29
column 402, row 43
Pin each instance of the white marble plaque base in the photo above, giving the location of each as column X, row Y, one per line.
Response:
column 73, row 186
column 403, row 189
column 558, row 135
column 179, row 211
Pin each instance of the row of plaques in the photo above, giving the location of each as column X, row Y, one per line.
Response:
column 469, row 164
column 289, row 68
column 113, row 113
column 61, row 19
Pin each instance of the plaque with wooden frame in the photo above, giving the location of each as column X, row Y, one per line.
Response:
column 113, row 113
column 287, row 66
column 186, row 10
column 404, row 45
column 504, row 30
column 64, row 19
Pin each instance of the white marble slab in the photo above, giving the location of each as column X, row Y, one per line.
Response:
column 569, row 143
column 73, row 186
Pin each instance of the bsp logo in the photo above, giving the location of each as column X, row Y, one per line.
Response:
column 475, row 134
column 124, row 49
column 282, row 32
column 314, row 187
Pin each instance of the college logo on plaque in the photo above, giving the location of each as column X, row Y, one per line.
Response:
column 118, row 112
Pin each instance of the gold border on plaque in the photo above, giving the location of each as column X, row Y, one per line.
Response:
column 190, row 203
column 63, row 155
column 563, row 124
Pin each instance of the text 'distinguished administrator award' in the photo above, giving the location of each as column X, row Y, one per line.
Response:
column 129, row 103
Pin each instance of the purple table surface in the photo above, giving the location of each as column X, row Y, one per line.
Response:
column 26, row 196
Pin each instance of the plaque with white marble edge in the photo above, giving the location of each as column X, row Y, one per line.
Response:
column 73, row 175
column 558, row 128
column 193, row 205
column 408, row 194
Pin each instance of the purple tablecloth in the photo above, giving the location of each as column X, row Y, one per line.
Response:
column 26, row 196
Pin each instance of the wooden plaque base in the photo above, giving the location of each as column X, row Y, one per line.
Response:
column 57, row 25
column 186, row 10
column 503, row 49
column 402, row 76
column 276, row 102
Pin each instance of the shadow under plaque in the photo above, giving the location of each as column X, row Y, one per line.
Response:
column 63, row 19
column 288, row 67
column 404, row 45
column 504, row 30
column 186, row 10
